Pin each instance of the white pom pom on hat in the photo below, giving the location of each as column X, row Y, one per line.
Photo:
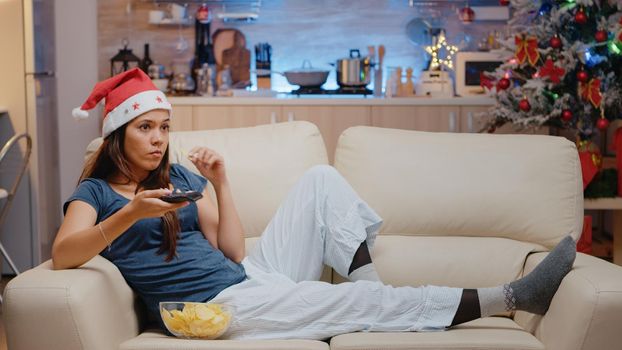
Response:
column 127, row 95
column 79, row 114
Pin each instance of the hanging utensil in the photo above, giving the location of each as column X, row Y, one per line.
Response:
column 182, row 44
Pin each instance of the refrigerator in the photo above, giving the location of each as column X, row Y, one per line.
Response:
column 35, row 215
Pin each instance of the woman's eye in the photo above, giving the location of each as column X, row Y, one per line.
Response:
column 165, row 127
column 144, row 127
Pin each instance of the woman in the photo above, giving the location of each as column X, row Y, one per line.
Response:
column 194, row 251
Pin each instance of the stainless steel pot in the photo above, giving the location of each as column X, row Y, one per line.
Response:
column 354, row 71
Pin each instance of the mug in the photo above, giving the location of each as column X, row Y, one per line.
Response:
column 178, row 12
column 156, row 16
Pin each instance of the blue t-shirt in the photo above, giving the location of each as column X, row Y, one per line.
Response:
column 197, row 273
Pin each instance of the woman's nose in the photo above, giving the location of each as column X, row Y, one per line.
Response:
column 157, row 137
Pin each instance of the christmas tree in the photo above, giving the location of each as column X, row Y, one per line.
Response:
column 563, row 66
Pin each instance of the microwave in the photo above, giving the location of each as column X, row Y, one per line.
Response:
column 469, row 65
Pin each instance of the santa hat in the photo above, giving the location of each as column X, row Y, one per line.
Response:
column 128, row 95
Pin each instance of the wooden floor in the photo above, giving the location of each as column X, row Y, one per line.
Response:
column 3, row 282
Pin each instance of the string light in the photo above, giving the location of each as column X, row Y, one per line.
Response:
column 435, row 50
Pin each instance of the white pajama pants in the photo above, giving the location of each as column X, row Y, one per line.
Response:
column 323, row 221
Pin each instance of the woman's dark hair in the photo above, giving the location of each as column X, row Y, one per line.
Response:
column 110, row 159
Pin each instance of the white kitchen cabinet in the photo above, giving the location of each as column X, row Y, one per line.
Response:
column 233, row 116
column 422, row 118
column 182, row 118
column 331, row 120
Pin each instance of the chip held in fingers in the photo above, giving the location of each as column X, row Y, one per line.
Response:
column 196, row 320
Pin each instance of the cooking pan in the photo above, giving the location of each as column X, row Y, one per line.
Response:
column 305, row 76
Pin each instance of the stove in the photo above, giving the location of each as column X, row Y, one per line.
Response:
column 339, row 91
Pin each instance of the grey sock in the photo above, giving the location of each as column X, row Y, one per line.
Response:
column 366, row 272
column 534, row 292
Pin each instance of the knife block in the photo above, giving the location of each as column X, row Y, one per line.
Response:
column 264, row 81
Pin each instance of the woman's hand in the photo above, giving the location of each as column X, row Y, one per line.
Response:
column 147, row 204
column 209, row 163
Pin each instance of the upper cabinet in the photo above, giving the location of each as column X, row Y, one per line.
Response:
column 225, row 10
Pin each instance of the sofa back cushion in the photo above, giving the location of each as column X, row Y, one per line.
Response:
column 462, row 209
column 263, row 162
column 522, row 187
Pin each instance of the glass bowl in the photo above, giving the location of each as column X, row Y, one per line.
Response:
column 196, row 320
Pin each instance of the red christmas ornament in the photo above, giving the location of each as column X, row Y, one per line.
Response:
column 556, row 42
column 582, row 76
column 524, row 105
column 466, row 14
column 203, row 14
column 602, row 123
column 504, row 2
column 566, row 115
column 503, row 84
column 601, row 36
column 580, row 17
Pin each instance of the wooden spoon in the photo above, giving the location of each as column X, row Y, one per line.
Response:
column 381, row 52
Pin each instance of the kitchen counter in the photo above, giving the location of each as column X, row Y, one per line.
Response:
column 335, row 100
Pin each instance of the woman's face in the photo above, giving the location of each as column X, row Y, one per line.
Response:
column 146, row 139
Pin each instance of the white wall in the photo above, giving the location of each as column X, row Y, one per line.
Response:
column 15, row 232
column 76, row 72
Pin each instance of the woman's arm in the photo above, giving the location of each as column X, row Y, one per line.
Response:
column 221, row 225
column 79, row 239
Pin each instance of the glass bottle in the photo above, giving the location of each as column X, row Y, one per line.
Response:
column 146, row 61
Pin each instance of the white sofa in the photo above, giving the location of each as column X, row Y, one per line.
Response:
column 468, row 210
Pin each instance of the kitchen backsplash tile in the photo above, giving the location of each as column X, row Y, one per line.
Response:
column 321, row 31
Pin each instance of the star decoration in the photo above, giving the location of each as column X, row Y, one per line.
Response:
column 136, row 105
column 552, row 71
column 159, row 99
column 435, row 51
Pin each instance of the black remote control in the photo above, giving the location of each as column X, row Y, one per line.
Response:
column 178, row 197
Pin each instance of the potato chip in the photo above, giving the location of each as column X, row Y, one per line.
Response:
column 204, row 313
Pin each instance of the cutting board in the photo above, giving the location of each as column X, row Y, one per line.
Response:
column 224, row 38
column 239, row 60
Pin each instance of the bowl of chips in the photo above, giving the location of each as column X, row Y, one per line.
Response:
column 196, row 320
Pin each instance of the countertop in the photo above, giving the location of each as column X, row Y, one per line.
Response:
column 337, row 100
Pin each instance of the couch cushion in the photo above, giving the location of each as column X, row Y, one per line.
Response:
column 157, row 340
column 263, row 162
column 448, row 261
column 524, row 187
column 494, row 333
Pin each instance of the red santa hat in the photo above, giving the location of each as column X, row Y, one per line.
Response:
column 128, row 95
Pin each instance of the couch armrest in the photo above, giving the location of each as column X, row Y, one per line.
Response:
column 91, row 307
column 586, row 311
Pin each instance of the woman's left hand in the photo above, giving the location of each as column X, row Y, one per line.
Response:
column 209, row 163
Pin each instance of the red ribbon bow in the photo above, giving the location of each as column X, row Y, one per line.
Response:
column 485, row 81
column 555, row 73
column 590, row 91
column 527, row 48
